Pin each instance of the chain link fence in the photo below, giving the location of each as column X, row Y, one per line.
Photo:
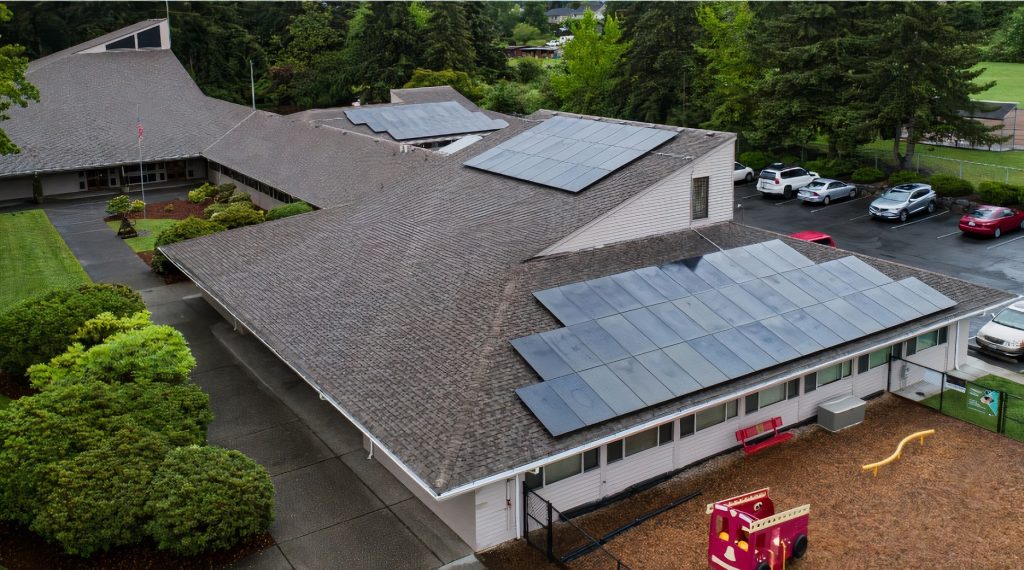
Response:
column 561, row 540
column 925, row 161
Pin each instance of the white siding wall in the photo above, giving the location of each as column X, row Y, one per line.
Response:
column 577, row 490
column 637, row 468
column 809, row 402
column 60, row 183
column 495, row 520
column 870, row 382
column 16, row 188
column 705, row 443
column 662, row 208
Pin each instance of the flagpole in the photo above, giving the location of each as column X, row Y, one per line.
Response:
column 142, row 174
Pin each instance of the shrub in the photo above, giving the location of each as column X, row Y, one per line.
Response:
column 214, row 208
column 998, row 193
column 292, row 209
column 98, row 328
column 528, row 70
column 789, row 159
column 190, row 227
column 98, row 497
column 40, row 328
column 950, row 186
column 207, row 498
column 223, row 193
column 238, row 215
column 169, row 207
column 122, row 204
column 867, row 175
column 237, row 197
column 905, row 176
column 755, row 159
column 830, row 168
column 156, row 353
column 201, row 193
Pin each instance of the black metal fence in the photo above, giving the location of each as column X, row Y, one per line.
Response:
column 560, row 539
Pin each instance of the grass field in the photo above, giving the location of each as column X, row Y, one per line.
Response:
column 1009, row 78
column 954, row 403
column 148, row 230
column 34, row 258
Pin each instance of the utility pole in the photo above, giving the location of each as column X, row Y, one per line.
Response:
column 252, row 85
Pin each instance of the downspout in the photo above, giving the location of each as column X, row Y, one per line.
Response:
column 370, row 456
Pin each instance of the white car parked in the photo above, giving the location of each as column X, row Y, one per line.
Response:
column 1005, row 333
column 742, row 173
column 779, row 180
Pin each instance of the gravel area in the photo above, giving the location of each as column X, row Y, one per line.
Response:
column 954, row 502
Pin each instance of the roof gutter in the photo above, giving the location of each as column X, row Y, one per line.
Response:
column 687, row 411
column 129, row 162
column 374, row 441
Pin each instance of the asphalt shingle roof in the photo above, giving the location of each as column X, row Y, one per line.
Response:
column 401, row 306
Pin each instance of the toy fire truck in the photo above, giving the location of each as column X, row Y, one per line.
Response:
column 746, row 533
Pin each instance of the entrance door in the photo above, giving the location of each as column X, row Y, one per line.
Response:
column 97, row 179
column 175, row 169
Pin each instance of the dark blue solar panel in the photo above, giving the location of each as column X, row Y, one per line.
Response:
column 835, row 323
column 898, row 290
column 725, row 308
column 749, row 303
column 662, row 282
column 927, row 293
column 903, row 311
column 626, row 334
column 769, row 257
column 701, row 314
column 814, row 328
column 769, row 296
column 828, row 280
column 791, row 255
column 854, row 316
column 793, row 336
column 708, row 272
column 809, row 286
column 884, row 316
column 557, row 417
column 582, row 399
column 637, row 287
column 771, row 343
column 612, row 390
column 721, row 357
column 669, row 373
column 571, row 349
column 616, row 296
column 587, row 300
column 652, row 327
column 560, row 306
column 698, row 367
column 741, row 346
column 873, row 275
column 542, row 357
column 791, row 292
column 685, row 277
column 677, row 320
column 641, row 381
column 599, row 341
column 734, row 271
column 748, row 262
column 846, row 275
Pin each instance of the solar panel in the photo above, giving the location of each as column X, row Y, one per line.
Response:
column 557, row 417
column 424, row 120
column 642, row 337
column 570, row 154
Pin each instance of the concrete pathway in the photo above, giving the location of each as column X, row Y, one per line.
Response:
column 973, row 368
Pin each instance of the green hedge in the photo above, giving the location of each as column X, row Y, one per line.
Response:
column 950, row 186
column 237, row 197
column 904, row 177
column 1000, row 194
column 830, row 168
column 207, row 498
column 237, row 215
column 755, row 159
column 223, row 193
column 38, row 329
column 292, row 209
column 867, row 175
column 201, row 193
column 98, row 328
column 190, row 227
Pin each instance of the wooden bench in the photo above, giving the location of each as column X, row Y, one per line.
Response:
column 746, row 434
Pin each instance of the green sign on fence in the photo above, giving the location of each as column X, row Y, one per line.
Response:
column 983, row 400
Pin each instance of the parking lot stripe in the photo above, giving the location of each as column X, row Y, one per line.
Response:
column 785, row 202
column 833, row 204
column 947, row 235
column 1005, row 242
column 751, row 196
column 921, row 220
column 859, row 217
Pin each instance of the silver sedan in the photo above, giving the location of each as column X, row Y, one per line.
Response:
column 824, row 190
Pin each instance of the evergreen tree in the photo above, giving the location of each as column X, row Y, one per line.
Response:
column 590, row 62
column 449, row 42
column 534, row 13
column 485, row 25
column 730, row 66
column 14, row 88
column 383, row 41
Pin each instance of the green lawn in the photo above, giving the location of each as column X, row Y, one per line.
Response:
column 148, row 230
column 34, row 258
column 1009, row 78
column 955, row 404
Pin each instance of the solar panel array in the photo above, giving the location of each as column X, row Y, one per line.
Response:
column 570, row 154
column 639, row 338
column 423, row 120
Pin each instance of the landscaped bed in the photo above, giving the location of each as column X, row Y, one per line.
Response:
column 35, row 258
column 952, row 503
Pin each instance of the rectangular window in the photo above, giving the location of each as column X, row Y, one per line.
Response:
column 897, row 350
column 769, row 396
column 751, row 405
column 535, row 480
column 810, row 382
column 641, row 441
column 665, row 435
column 686, row 426
column 878, row 358
column 911, row 347
column 81, row 185
column 928, row 340
column 614, row 452
column 793, row 388
column 833, row 373
column 591, row 459
column 942, row 335
column 716, row 415
column 699, row 197
column 555, row 472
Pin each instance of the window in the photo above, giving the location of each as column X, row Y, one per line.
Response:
column 699, row 198
column 123, row 43
column 928, row 340
column 911, row 347
column 942, row 335
column 555, row 472
column 772, row 395
column 149, row 38
column 614, row 452
column 665, row 435
column 641, row 441
column 686, row 426
column 591, row 459
column 875, row 359
column 535, row 480
column 716, row 415
column 828, row 375
column 897, row 350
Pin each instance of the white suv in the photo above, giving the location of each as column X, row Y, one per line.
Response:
column 783, row 180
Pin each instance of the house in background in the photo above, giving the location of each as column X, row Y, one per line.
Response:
column 1003, row 117
column 570, row 12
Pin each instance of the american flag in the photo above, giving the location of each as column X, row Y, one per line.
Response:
column 138, row 126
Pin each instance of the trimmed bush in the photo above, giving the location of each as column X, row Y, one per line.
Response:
column 950, row 186
column 214, row 208
column 789, row 159
column 223, row 193
column 998, row 193
column 830, row 168
column 238, row 215
column 98, row 497
column 98, row 328
column 755, row 159
column 867, row 175
column 202, row 193
column 38, row 329
column 905, row 176
column 156, row 353
column 239, row 197
column 190, row 227
column 207, row 498
column 292, row 209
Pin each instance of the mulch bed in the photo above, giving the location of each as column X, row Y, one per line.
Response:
column 952, row 503
column 157, row 211
column 21, row 549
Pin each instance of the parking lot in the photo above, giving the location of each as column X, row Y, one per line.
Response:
column 931, row 242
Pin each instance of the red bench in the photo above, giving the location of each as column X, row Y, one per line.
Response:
column 748, row 433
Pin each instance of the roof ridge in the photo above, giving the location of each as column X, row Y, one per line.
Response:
column 37, row 64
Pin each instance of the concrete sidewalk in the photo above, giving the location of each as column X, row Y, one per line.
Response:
column 973, row 368
column 334, row 507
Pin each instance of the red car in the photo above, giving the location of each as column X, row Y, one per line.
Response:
column 815, row 237
column 991, row 221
